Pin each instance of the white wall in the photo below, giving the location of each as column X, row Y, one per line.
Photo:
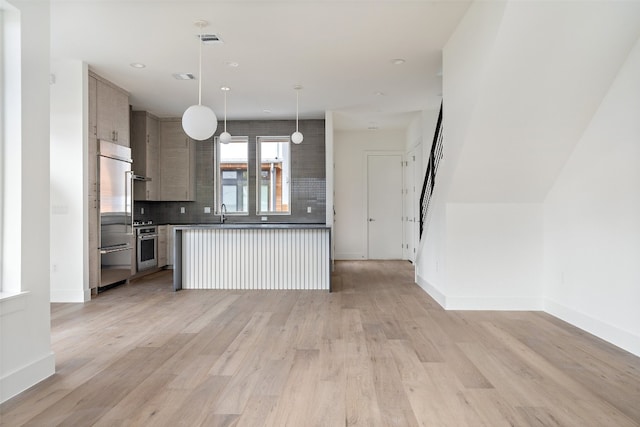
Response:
column 494, row 256
column 483, row 256
column 350, row 191
column 328, row 130
column 464, row 63
column 25, row 353
column 431, row 260
column 547, row 71
column 592, row 221
column 69, row 275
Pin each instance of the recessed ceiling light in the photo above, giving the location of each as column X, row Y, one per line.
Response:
column 398, row 61
column 137, row 65
column 379, row 93
column 225, row 88
column 232, row 64
column 266, row 111
column 183, row 76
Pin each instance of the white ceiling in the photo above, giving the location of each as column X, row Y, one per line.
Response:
column 341, row 52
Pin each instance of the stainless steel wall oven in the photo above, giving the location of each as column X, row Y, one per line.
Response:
column 147, row 247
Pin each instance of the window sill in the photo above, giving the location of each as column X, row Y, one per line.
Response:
column 10, row 302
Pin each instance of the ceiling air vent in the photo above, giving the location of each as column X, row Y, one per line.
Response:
column 210, row 39
column 183, row 76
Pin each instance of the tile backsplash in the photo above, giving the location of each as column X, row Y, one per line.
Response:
column 308, row 178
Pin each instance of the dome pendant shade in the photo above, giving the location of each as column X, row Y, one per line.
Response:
column 199, row 122
column 297, row 137
column 225, row 137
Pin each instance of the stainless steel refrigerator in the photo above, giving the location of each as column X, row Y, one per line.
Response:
column 116, row 212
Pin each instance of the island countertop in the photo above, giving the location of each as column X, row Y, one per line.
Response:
column 252, row 226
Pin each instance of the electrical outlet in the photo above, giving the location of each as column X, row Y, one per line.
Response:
column 182, row 210
column 264, row 218
column 308, row 209
column 207, row 209
column 141, row 211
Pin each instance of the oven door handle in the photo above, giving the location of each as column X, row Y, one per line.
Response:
column 147, row 237
column 118, row 249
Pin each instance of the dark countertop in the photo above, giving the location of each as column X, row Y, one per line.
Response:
column 252, row 226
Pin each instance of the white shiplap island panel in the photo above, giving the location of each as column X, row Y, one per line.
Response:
column 255, row 257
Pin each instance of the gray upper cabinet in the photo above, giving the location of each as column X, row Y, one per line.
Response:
column 144, row 150
column 112, row 112
column 177, row 162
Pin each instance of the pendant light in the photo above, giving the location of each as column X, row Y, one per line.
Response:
column 199, row 121
column 225, row 137
column 297, row 136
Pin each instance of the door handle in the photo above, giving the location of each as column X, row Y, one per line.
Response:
column 148, row 237
column 110, row 251
column 371, row 219
column 128, row 195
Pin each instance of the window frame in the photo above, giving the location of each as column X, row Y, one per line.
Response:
column 286, row 168
column 4, row 102
column 217, row 196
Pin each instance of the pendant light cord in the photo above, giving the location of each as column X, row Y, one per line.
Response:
column 297, row 98
column 225, row 110
column 200, row 67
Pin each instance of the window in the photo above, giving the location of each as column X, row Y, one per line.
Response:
column 10, row 147
column 232, row 175
column 273, row 175
column 2, row 155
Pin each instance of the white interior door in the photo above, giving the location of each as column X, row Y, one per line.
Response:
column 409, row 197
column 384, row 206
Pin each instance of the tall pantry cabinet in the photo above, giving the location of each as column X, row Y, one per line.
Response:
column 108, row 120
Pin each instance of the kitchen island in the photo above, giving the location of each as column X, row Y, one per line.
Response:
column 252, row 256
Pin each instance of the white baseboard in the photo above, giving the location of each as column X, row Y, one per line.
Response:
column 70, row 295
column 433, row 292
column 612, row 334
column 27, row 376
column 494, row 303
column 348, row 257
column 474, row 303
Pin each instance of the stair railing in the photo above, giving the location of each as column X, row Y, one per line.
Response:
column 430, row 177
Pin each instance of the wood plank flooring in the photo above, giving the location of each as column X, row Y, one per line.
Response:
column 378, row 351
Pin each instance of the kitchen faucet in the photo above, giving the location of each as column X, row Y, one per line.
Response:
column 223, row 210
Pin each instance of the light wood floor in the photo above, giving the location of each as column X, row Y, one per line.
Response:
column 376, row 352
